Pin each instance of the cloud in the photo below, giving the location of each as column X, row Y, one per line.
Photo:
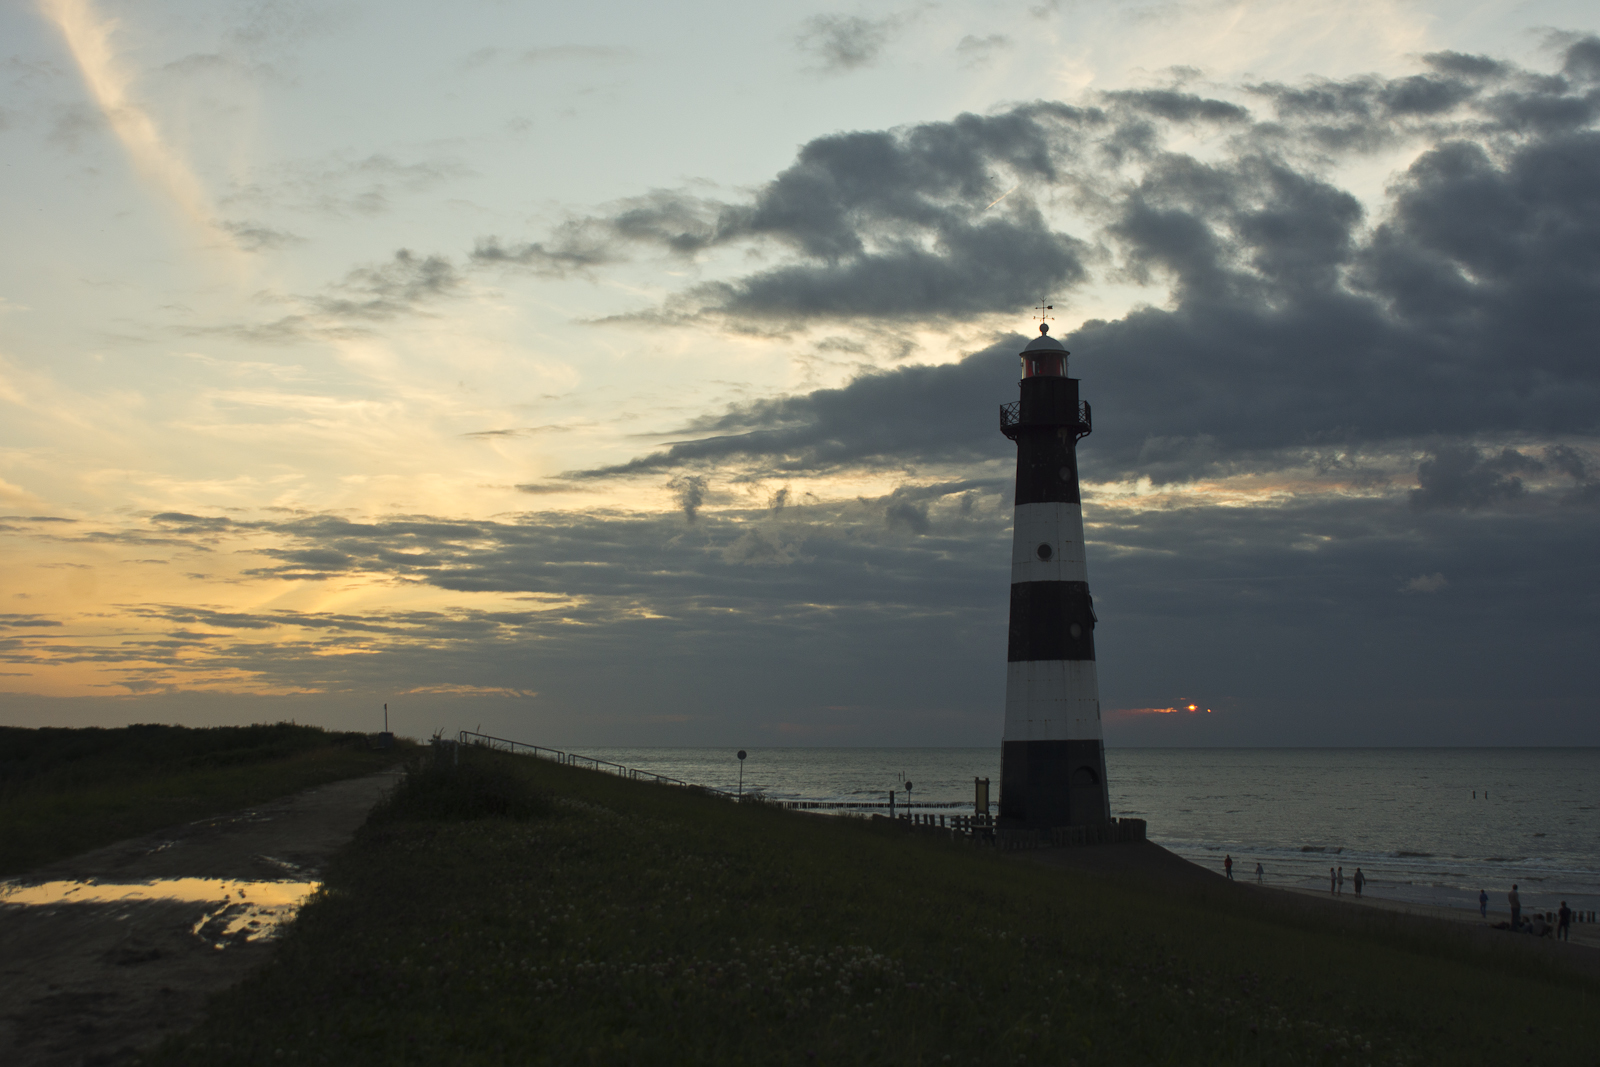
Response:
column 1465, row 478
column 88, row 36
column 574, row 249
column 842, row 43
column 582, row 52
column 978, row 51
column 1323, row 395
column 558, row 54
column 255, row 237
column 399, row 287
column 1298, row 324
column 15, row 621
column 405, row 285
column 883, row 419
column 341, row 186
column 610, row 613
column 690, row 493
column 472, row 690
column 1426, row 583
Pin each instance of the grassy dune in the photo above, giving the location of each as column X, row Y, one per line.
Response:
column 65, row 791
column 527, row 913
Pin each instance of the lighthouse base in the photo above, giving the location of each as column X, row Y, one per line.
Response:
column 1053, row 783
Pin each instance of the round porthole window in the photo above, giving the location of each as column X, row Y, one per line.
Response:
column 1076, row 630
column 1045, row 552
column 1066, row 474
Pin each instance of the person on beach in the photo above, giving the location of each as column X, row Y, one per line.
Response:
column 1483, row 903
column 1361, row 880
column 1333, row 881
column 1227, row 866
column 1259, row 872
column 1516, row 908
column 1563, row 922
column 1340, row 882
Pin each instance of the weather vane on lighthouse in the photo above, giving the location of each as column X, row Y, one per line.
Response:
column 1042, row 309
column 1052, row 764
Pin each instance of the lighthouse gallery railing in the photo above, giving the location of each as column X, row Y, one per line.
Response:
column 1011, row 418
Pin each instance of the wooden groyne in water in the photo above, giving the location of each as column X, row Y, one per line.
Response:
column 983, row 830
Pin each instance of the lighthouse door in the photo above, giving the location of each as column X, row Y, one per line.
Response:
column 1084, row 797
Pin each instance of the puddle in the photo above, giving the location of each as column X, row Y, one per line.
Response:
column 248, row 911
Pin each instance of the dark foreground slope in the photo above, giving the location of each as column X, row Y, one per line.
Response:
column 531, row 913
column 66, row 791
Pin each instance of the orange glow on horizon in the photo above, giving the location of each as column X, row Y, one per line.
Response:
column 1130, row 713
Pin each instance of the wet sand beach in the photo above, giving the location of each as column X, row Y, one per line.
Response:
column 95, row 980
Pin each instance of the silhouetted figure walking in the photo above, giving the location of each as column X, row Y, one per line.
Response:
column 1227, row 866
column 1516, row 908
column 1483, row 903
column 1361, row 880
column 1563, row 922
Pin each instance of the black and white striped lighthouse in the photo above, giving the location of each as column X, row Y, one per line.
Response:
column 1053, row 765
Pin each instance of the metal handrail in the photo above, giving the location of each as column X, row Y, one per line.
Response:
column 1011, row 418
column 573, row 759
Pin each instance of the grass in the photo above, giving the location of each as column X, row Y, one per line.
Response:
column 603, row 921
column 65, row 791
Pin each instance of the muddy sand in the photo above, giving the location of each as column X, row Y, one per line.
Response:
column 96, row 979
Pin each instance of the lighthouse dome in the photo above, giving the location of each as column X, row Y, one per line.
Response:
column 1044, row 356
column 1044, row 342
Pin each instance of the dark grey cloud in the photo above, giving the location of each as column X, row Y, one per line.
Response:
column 945, row 220
column 894, row 224
column 759, row 616
column 690, row 492
column 1460, row 314
column 908, row 415
column 1463, row 477
column 841, row 43
column 15, row 621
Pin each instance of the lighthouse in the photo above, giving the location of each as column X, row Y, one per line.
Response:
column 1053, row 765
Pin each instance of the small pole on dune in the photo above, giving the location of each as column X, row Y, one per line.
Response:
column 386, row 718
column 908, row 802
column 741, row 773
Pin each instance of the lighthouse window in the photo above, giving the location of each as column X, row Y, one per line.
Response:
column 1066, row 474
column 1045, row 552
column 1076, row 630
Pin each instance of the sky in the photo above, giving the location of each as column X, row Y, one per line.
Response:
column 627, row 374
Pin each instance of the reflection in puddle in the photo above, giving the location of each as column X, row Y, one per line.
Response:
column 249, row 911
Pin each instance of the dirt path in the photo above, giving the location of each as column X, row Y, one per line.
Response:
column 94, row 982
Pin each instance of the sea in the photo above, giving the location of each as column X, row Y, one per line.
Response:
column 1425, row 825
